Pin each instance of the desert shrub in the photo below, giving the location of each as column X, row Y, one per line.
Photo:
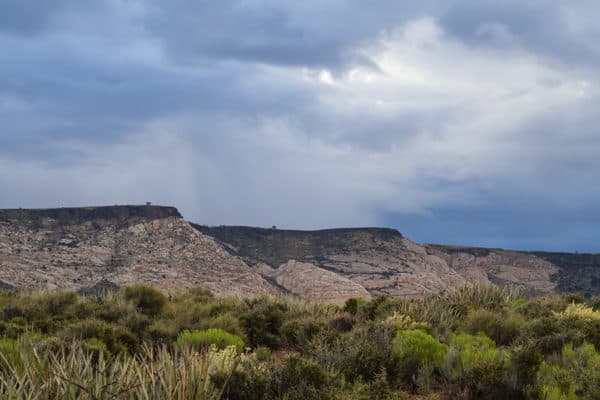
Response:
column 579, row 311
column 583, row 364
column 358, row 354
column 252, row 380
column 488, row 297
column 95, row 347
column 116, row 338
column 163, row 331
column 45, row 311
column 228, row 322
column 576, row 298
column 576, row 374
column 549, row 334
column 525, row 360
column 147, row 300
column 302, row 379
column 210, row 337
column 533, row 309
column 419, row 356
column 435, row 311
column 377, row 308
column 401, row 321
column 11, row 329
column 353, row 305
column 555, row 383
column 186, row 314
column 474, row 362
column 262, row 321
column 111, row 309
column 136, row 323
column 200, row 295
column 342, row 322
column 379, row 389
column 298, row 331
column 502, row 328
column 57, row 303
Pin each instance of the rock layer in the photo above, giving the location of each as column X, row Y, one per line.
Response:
column 311, row 282
column 378, row 259
column 78, row 247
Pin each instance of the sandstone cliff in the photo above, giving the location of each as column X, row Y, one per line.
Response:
column 93, row 248
column 380, row 260
column 386, row 263
column 80, row 247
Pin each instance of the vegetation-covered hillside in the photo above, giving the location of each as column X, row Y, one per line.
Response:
column 479, row 342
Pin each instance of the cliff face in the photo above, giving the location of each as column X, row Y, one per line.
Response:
column 380, row 260
column 525, row 271
column 79, row 247
column 102, row 247
column 386, row 263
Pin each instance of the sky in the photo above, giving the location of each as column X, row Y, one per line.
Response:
column 468, row 122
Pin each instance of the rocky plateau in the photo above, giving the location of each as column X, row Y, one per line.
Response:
column 102, row 248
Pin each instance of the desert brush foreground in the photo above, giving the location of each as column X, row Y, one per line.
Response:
column 477, row 341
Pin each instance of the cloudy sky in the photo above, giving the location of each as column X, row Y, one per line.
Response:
column 465, row 122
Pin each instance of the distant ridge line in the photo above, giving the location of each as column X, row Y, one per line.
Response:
column 78, row 214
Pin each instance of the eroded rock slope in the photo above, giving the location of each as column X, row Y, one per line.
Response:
column 82, row 247
column 380, row 260
column 386, row 263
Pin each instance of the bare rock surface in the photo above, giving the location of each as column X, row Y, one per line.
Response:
column 311, row 282
column 95, row 249
column 524, row 271
column 79, row 247
column 380, row 260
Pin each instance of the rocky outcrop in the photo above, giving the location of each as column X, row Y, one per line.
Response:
column 79, row 247
column 386, row 263
column 380, row 260
column 311, row 282
column 524, row 271
column 98, row 249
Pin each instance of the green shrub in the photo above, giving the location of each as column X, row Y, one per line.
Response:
column 227, row 321
column 302, row 379
column 418, row 352
column 210, row 337
column 418, row 347
column 146, row 299
column 549, row 334
column 252, row 380
column 12, row 330
column 116, row 338
column 262, row 322
column 298, row 331
column 474, row 362
column 525, row 360
column 503, row 329
column 353, row 305
column 358, row 354
column 342, row 322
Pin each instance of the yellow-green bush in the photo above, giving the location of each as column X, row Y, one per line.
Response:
column 210, row 337
column 475, row 363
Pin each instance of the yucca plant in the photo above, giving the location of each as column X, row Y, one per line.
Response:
column 73, row 372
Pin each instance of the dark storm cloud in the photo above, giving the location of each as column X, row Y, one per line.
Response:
column 459, row 121
column 566, row 31
column 29, row 17
column 321, row 34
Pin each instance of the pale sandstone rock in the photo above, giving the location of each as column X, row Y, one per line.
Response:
column 163, row 252
column 311, row 282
